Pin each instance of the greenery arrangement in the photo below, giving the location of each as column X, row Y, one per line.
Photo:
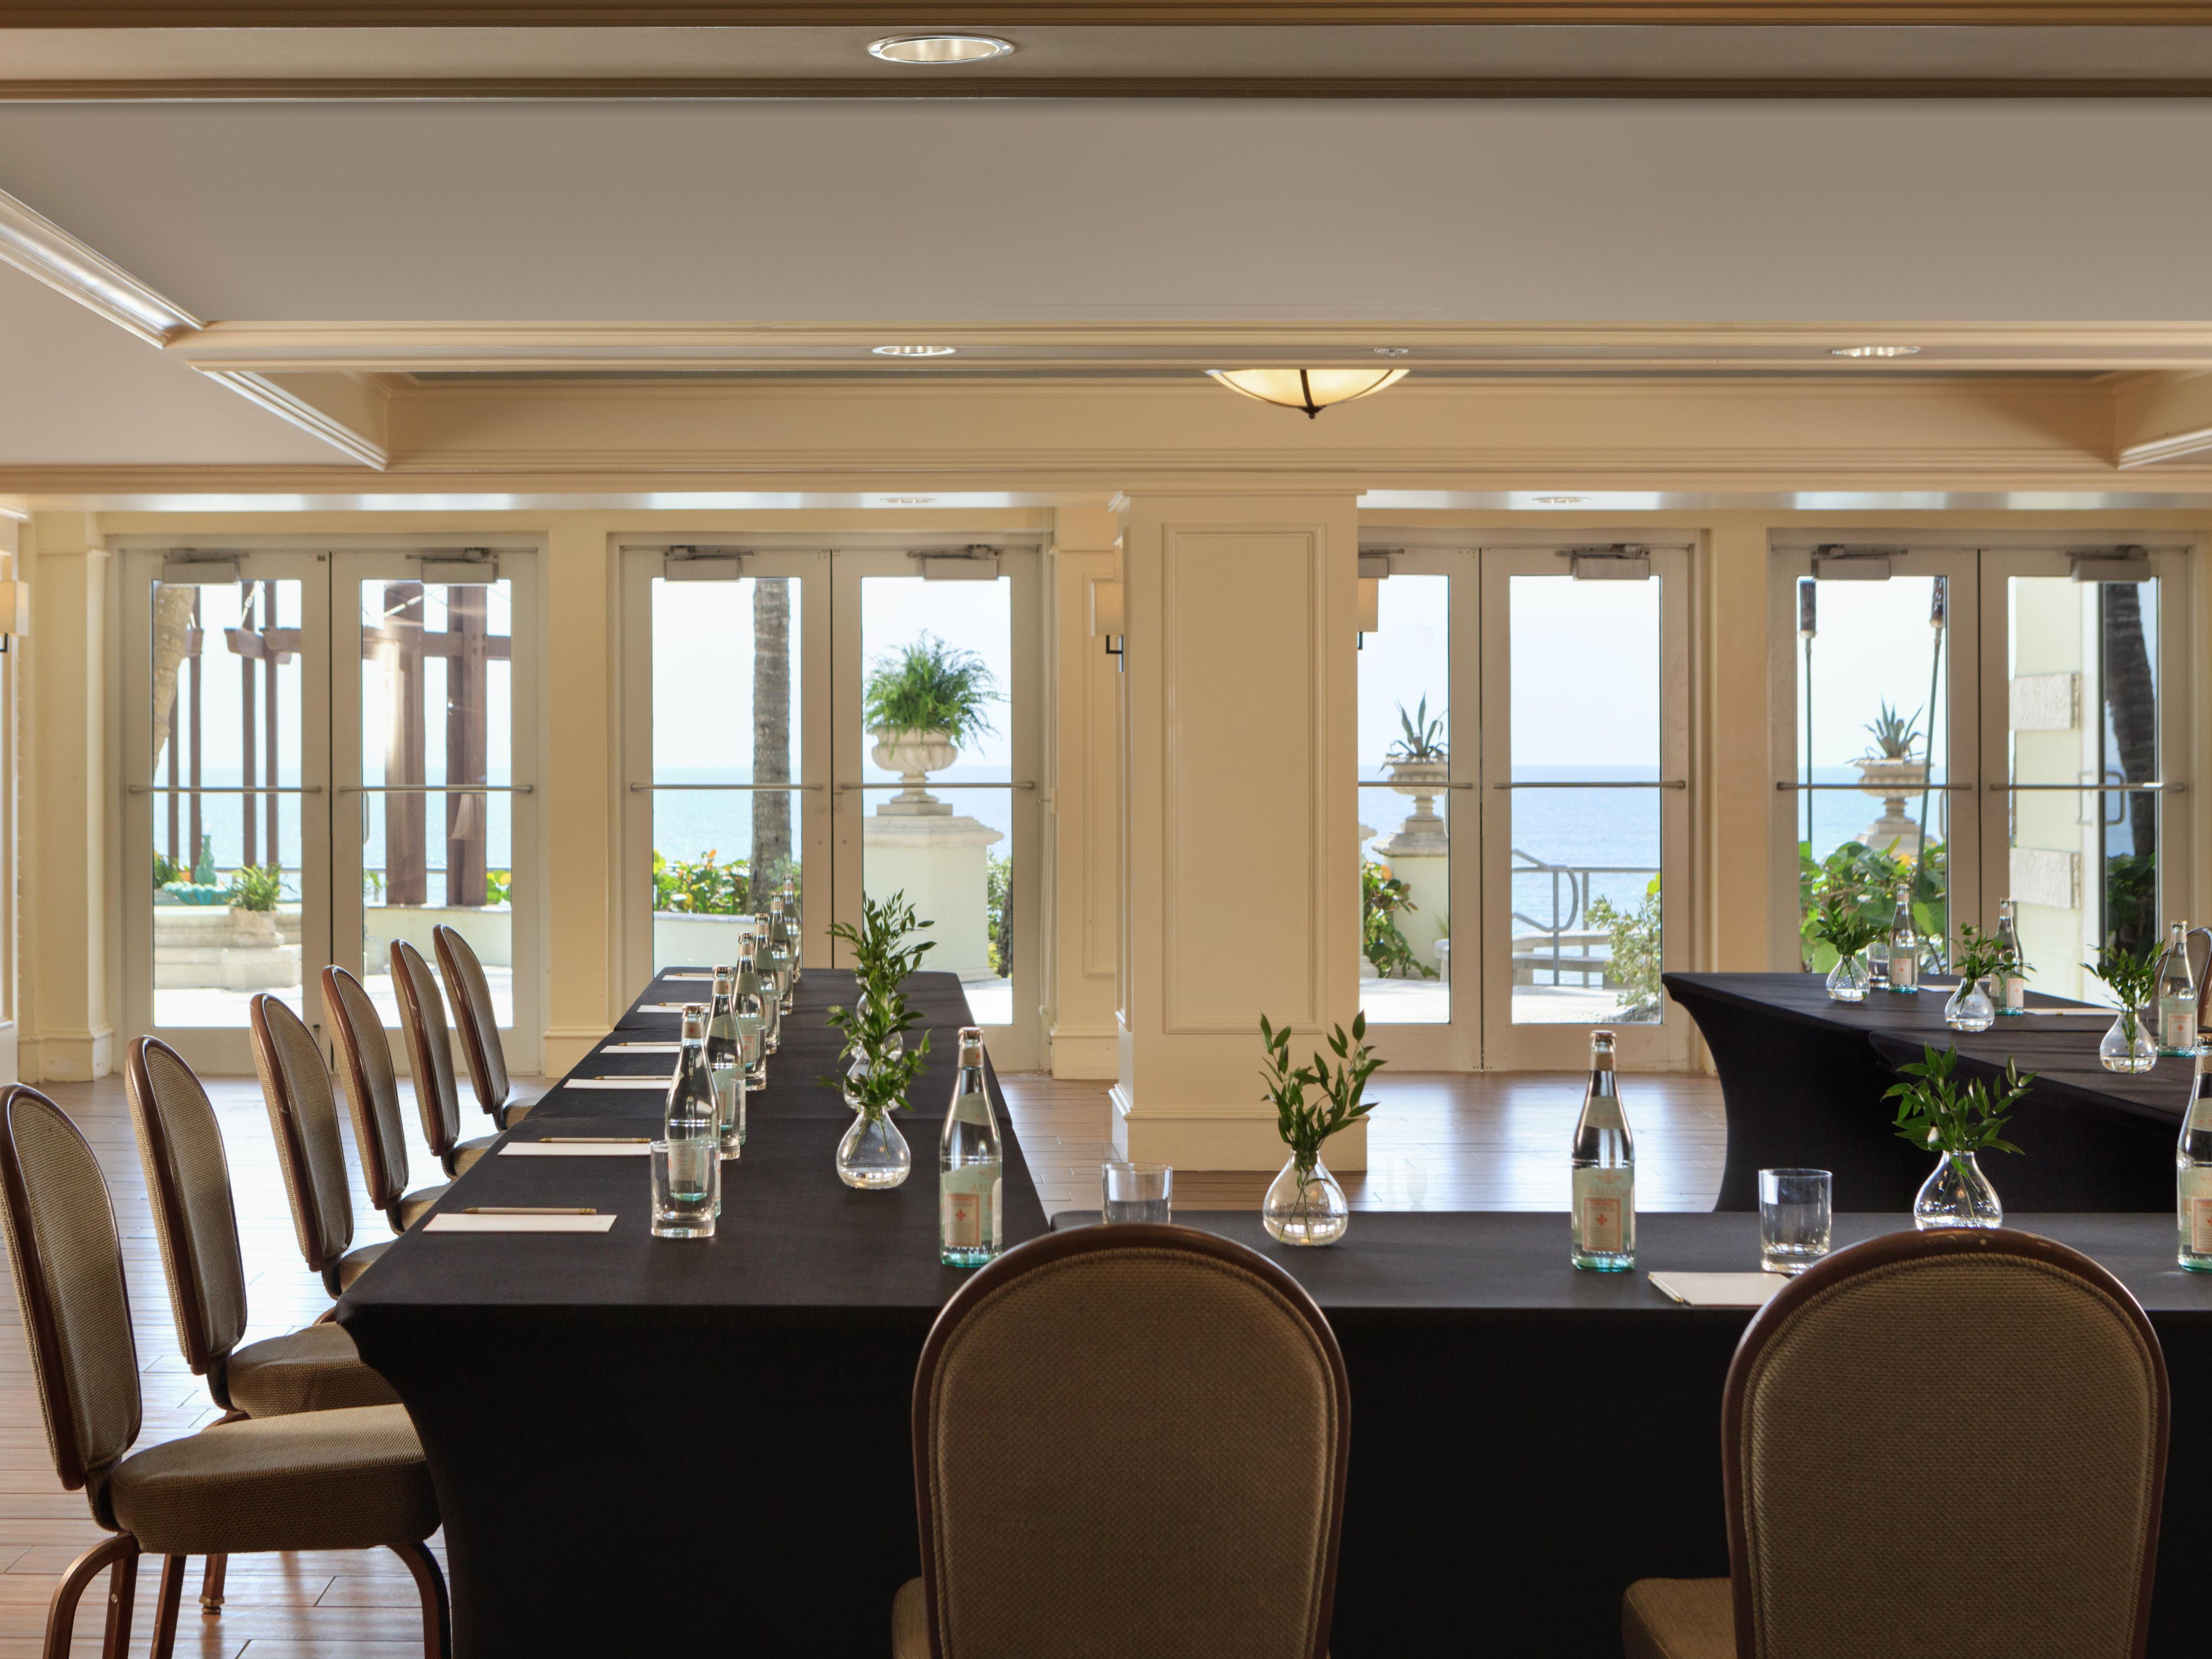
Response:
column 930, row 686
column 2131, row 975
column 1893, row 735
column 1632, row 943
column 1866, row 879
column 255, row 887
column 1341, row 1085
column 1422, row 738
column 1383, row 898
column 1934, row 1111
column 999, row 913
column 875, row 1027
column 1844, row 927
column 699, row 887
column 1979, row 956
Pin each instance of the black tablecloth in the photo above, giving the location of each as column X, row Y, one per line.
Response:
column 1803, row 1076
column 683, row 1446
column 1527, row 1440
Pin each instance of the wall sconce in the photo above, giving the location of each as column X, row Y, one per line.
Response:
column 1106, row 617
column 1370, row 605
column 14, row 612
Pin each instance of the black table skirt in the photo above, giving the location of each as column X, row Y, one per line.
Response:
column 684, row 1446
column 1802, row 1078
column 1527, row 1440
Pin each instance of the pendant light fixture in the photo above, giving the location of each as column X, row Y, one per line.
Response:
column 1312, row 390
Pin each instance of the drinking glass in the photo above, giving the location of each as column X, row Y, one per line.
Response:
column 1138, row 1192
column 687, row 1186
column 1795, row 1212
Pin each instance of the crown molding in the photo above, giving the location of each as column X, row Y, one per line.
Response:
column 39, row 247
column 346, row 412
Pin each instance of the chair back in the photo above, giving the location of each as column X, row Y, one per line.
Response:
column 1130, row 1439
column 303, row 1116
column 429, row 1046
column 371, row 1086
column 1948, row 1430
column 67, row 1256
column 471, row 993
column 188, row 1185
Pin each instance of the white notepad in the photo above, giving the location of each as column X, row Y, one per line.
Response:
column 541, row 1149
column 618, row 1083
column 671, row 977
column 1719, row 1289
column 517, row 1224
column 642, row 1048
column 663, row 1007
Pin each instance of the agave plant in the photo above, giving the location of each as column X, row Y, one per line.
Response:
column 1422, row 738
column 1893, row 735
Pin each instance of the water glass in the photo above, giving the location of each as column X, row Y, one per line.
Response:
column 1796, row 1210
column 1138, row 1192
column 687, row 1186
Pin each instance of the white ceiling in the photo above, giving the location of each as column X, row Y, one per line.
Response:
column 861, row 211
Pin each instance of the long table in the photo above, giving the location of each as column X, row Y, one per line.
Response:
column 685, row 1446
column 1527, row 1440
column 1803, row 1076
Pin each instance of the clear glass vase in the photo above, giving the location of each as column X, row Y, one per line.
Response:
column 2127, row 1048
column 873, row 1155
column 1848, row 979
column 1305, row 1205
column 1970, row 1007
column 1957, row 1194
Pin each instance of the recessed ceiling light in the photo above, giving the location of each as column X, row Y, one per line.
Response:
column 1873, row 351
column 915, row 351
column 908, row 501
column 1391, row 351
column 1561, row 501
column 939, row 48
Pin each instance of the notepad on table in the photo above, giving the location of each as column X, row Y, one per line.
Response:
column 1719, row 1289
column 642, row 1048
column 677, row 976
column 450, row 1222
column 663, row 1007
column 618, row 1083
column 575, row 1149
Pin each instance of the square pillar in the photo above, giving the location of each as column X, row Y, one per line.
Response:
column 1084, row 805
column 1239, row 891
column 580, row 789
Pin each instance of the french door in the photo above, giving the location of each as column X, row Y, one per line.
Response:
column 327, row 750
column 1524, row 749
column 755, row 755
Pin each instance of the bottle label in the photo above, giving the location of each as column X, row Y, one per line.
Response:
column 1604, row 1201
column 963, row 1218
column 2177, row 1024
column 2196, row 1211
column 2015, row 991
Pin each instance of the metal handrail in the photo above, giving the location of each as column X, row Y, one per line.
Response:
column 1577, row 879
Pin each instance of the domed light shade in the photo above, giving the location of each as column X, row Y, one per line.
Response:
column 1312, row 390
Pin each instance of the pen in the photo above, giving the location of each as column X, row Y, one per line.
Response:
column 521, row 1209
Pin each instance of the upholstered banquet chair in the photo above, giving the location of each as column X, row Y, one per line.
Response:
column 348, row 1479
column 478, row 1022
column 1926, row 1435
column 1127, row 1440
column 372, row 1084
column 303, row 1116
column 430, row 1052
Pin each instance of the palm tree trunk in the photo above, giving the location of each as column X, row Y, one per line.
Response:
column 2131, row 694
column 771, row 853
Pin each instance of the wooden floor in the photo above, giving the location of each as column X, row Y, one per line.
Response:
column 1488, row 1141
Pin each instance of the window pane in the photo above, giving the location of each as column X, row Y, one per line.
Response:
column 941, row 654
column 226, row 866
column 1873, row 714
column 724, row 710
column 1585, row 710
column 436, row 709
column 2082, row 706
column 1404, row 700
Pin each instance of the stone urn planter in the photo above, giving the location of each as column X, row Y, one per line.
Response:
column 1893, row 781
column 914, row 756
column 1424, row 780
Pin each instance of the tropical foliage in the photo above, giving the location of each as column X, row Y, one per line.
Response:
column 930, row 686
column 1340, row 1085
column 255, row 887
column 1632, row 943
column 999, row 913
column 1865, row 881
column 1422, row 739
column 1382, row 899
column 699, row 887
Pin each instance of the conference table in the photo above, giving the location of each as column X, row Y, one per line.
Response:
column 1803, row 1076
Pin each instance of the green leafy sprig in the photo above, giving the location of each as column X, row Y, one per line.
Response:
column 1978, row 955
column 2130, row 976
column 1304, row 1123
column 1935, row 1111
column 1846, row 927
column 875, row 1026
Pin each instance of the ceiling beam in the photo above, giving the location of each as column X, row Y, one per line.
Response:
column 39, row 247
column 931, row 13
column 349, row 412
column 2161, row 417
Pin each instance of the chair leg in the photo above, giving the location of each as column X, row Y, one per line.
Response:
column 61, row 1612
column 164, row 1611
column 122, row 1599
column 437, row 1615
column 211, row 1586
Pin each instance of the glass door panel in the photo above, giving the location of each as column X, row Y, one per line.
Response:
column 1406, row 802
column 1585, row 769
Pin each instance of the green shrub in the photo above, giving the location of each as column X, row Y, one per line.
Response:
column 930, row 686
column 700, row 887
column 1633, row 940
column 999, row 904
column 255, row 887
column 1382, row 897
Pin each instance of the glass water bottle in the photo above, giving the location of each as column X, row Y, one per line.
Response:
column 2192, row 1163
column 782, row 953
column 2177, row 995
column 790, row 921
column 970, row 1167
column 1904, row 943
column 746, row 1012
column 689, row 1121
column 726, row 1063
column 1604, row 1172
column 2012, row 980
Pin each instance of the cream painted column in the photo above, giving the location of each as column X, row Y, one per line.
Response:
column 578, row 785
column 1085, row 803
column 11, row 539
column 1240, row 892
column 1737, row 799
column 68, row 924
